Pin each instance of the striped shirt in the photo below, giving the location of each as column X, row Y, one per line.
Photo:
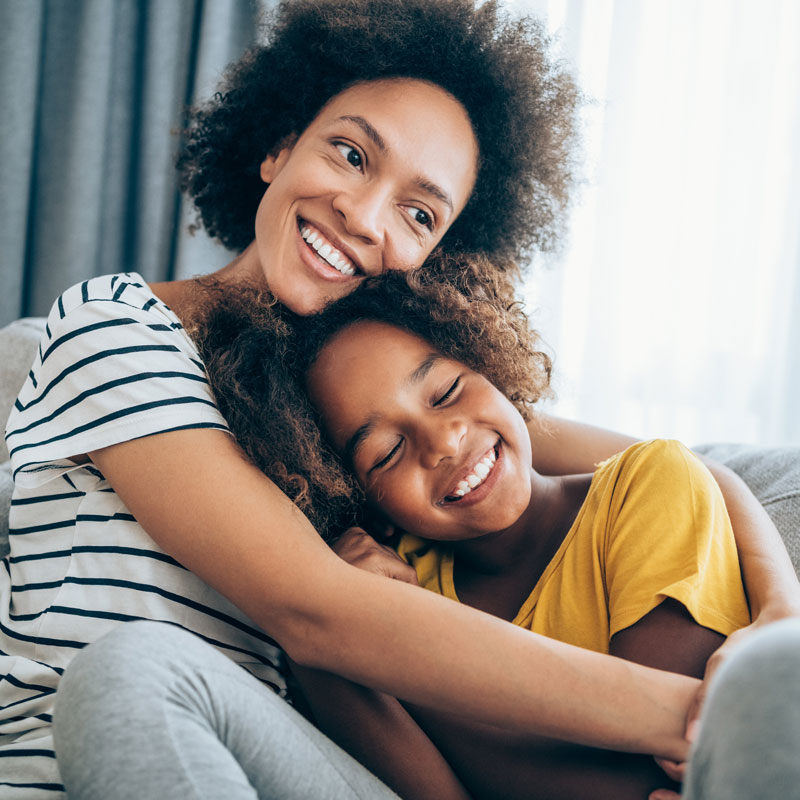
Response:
column 114, row 364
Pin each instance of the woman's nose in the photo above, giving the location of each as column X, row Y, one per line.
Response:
column 440, row 439
column 363, row 211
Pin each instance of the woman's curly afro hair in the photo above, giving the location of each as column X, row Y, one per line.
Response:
column 522, row 104
column 257, row 354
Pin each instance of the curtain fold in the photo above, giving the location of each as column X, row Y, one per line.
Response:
column 93, row 93
column 674, row 309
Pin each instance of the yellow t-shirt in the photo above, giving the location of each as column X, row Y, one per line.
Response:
column 653, row 526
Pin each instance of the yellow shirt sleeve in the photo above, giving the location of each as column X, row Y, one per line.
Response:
column 667, row 534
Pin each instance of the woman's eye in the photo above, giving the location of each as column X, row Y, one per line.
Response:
column 350, row 154
column 420, row 216
column 388, row 457
column 443, row 398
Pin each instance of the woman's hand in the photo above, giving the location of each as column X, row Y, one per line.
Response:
column 677, row 769
column 360, row 550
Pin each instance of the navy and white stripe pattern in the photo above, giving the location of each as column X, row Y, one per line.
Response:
column 114, row 364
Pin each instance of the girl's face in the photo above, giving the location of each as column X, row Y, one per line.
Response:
column 418, row 428
column 372, row 184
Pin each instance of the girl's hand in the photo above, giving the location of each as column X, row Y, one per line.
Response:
column 360, row 550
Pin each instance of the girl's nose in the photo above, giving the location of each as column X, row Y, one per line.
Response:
column 439, row 439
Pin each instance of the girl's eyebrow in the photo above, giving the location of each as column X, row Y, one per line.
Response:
column 355, row 442
column 423, row 183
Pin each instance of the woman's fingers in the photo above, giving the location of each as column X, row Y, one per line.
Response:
column 357, row 547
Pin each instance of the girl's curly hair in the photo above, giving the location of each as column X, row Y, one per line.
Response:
column 522, row 104
column 257, row 354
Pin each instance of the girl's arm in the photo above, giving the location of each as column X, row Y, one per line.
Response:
column 377, row 731
column 202, row 501
column 561, row 447
column 372, row 726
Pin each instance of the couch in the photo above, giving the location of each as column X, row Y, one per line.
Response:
column 773, row 474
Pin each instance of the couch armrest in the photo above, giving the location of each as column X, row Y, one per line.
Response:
column 18, row 343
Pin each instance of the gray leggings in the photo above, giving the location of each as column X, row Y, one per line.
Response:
column 149, row 711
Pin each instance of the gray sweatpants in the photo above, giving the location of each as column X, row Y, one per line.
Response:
column 149, row 711
column 749, row 745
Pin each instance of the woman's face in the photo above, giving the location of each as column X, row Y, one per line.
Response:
column 436, row 447
column 372, row 184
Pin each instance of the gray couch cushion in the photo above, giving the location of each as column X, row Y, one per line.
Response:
column 773, row 475
column 18, row 343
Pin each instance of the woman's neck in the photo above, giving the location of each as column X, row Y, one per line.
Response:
column 183, row 296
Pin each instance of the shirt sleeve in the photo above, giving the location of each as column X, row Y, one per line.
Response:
column 106, row 372
column 668, row 535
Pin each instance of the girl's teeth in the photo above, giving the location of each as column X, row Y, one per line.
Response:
column 325, row 250
column 317, row 244
column 481, row 470
column 478, row 476
column 312, row 238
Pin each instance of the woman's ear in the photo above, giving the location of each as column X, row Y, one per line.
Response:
column 275, row 161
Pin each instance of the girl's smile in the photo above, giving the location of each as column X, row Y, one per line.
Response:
column 436, row 447
column 372, row 184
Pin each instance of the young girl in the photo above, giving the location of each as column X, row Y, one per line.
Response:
column 361, row 137
column 637, row 560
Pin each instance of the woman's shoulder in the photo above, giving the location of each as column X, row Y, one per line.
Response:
column 114, row 364
column 109, row 296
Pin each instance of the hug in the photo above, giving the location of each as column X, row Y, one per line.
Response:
column 183, row 453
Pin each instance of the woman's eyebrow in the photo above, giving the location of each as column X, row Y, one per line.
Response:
column 422, row 182
column 368, row 129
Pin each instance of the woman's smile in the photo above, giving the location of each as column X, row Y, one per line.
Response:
column 372, row 184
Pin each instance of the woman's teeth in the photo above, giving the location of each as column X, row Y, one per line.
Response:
column 314, row 239
column 478, row 475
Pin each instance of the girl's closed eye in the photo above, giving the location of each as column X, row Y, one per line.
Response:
column 449, row 393
column 350, row 154
column 388, row 457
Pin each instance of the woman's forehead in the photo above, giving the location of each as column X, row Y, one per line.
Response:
column 414, row 123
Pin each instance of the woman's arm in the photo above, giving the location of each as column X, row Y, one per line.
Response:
column 199, row 497
column 562, row 447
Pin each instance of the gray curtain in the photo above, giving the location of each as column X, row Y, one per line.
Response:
column 92, row 93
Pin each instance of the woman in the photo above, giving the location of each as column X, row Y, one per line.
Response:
column 381, row 131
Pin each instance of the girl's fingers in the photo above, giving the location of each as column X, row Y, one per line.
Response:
column 675, row 769
column 663, row 794
column 359, row 549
